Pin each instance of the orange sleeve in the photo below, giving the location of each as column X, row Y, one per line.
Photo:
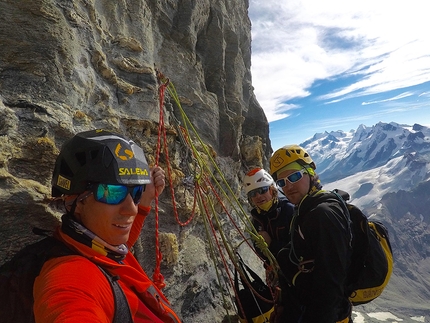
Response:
column 72, row 289
column 142, row 213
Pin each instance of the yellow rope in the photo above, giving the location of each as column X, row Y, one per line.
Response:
column 212, row 255
column 231, row 197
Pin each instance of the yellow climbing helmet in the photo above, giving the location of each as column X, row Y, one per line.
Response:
column 288, row 154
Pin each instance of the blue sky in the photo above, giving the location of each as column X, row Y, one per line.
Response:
column 333, row 65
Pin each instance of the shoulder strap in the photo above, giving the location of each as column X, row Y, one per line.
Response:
column 343, row 197
column 122, row 309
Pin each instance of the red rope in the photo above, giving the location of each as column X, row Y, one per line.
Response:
column 162, row 133
column 217, row 242
column 157, row 277
column 227, row 212
column 218, row 246
column 199, row 192
column 213, row 190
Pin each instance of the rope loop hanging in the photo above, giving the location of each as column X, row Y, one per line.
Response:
column 210, row 187
column 157, row 277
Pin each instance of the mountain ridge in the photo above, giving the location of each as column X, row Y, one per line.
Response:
column 339, row 154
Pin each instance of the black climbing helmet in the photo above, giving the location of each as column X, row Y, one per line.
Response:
column 98, row 156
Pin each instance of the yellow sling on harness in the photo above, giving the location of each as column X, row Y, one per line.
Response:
column 263, row 318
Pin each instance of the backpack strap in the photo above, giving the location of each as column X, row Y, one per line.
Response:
column 343, row 197
column 122, row 309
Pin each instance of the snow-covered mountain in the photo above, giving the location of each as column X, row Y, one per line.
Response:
column 376, row 160
column 386, row 170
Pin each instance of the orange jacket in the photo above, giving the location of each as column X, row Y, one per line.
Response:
column 73, row 288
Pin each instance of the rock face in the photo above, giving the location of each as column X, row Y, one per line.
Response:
column 70, row 66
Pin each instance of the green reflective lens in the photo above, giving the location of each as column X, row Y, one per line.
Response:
column 116, row 194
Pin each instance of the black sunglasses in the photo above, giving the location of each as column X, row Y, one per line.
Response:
column 115, row 194
column 260, row 190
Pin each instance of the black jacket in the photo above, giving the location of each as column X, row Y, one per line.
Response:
column 276, row 222
column 315, row 263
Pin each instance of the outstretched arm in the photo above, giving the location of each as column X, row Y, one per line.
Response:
column 156, row 186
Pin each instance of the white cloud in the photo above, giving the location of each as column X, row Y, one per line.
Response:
column 383, row 43
column 397, row 97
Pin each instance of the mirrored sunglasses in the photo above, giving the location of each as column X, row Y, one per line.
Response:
column 260, row 190
column 115, row 194
column 292, row 178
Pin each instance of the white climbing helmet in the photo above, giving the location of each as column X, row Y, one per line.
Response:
column 257, row 178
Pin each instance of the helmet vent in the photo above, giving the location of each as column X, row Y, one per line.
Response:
column 65, row 169
column 93, row 154
column 80, row 158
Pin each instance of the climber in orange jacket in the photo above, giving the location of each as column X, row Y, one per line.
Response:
column 107, row 187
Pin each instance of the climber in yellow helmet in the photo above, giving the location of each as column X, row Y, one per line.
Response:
column 315, row 262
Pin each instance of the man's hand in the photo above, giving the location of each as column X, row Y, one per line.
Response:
column 266, row 236
column 156, row 186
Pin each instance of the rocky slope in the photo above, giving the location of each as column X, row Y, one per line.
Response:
column 69, row 66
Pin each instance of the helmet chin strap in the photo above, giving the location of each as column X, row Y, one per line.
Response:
column 314, row 184
column 70, row 205
column 70, row 208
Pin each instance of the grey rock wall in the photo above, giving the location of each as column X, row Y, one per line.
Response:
column 69, row 66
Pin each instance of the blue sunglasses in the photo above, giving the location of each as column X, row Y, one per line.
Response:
column 260, row 190
column 292, row 178
column 115, row 194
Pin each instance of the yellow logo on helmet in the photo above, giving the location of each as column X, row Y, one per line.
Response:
column 122, row 171
column 128, row 153
column 63, row 182
column 276, row 161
